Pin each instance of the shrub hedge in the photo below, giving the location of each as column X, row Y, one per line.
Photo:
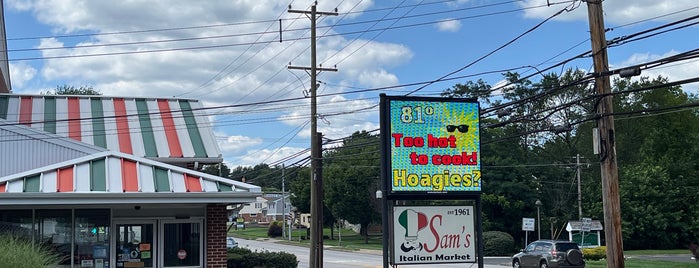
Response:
column 275, row 229
column 498, row 243
column 245, row 258
column 594, row 254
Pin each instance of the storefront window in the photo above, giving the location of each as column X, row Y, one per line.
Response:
column 54, row 230
column 91, row 238
column 182, row 243
column 16, row 223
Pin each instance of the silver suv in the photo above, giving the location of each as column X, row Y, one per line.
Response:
column 549, row 254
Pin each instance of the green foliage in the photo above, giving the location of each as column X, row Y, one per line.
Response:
column 72, row 90
column 595, row 254
column 351, row 179
column 498, row 243
column 275, row 229
column 21, row 253
column 526, row 160
column 269, row 178
column 244, row 258
column 220, row 169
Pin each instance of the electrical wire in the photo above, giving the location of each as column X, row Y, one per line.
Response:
column 493, row 51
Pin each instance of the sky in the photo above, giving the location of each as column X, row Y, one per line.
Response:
column 228, row 53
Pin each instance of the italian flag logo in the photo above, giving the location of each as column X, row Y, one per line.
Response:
column 412, row 221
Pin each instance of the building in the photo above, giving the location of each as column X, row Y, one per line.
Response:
column 267, row 208
column 113, row 182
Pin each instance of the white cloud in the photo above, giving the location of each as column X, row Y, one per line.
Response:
column 616, row 12
column 449, row 25
column 240, row 65
column 237, row 144
column 231, row 70
column 255, row 157
column 20, row 73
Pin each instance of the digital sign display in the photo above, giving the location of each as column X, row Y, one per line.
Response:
column 432, row 145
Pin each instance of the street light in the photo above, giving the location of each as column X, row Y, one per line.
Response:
column 538, row 217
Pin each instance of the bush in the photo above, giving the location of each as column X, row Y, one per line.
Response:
column 20, row 253
column 275, row 230
column 498, row 243
column 594, row 254
column 243, row 258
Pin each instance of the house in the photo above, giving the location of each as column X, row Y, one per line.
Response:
column 271, row 206
column 255, row 212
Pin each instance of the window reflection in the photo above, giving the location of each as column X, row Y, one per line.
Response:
column 54, row 230
column 181, row 243
column 135, row 245
column 91, row 238
column 17, row 223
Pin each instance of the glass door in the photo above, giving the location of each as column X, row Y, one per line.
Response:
column 182, row 243
column 135, row 244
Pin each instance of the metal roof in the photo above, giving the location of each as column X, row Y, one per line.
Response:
column 116, row 178
column 169, row 130
column 23, row 148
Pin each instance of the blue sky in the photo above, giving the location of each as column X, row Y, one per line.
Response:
column 228, row 53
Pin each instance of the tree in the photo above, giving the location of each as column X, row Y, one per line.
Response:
column 658, row 172
column 220, row 169
column 351, row 178
column 268, row 178
column 72, row 90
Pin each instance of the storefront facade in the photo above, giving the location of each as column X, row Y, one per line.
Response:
column 110, row 182
column 87, row 211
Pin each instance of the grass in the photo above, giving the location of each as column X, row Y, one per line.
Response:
column 20, row 253
column 635, row 263
column 353, row 241
column 349, row 239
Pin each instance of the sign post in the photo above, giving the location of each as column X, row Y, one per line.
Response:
column 527, row 225
column 585, row 226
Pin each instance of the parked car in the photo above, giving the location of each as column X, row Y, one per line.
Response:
column 549, row 254
column 231, row 243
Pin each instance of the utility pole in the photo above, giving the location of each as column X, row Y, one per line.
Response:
column 605, row 125
column 316, row 256
column 577, row 171
column 284, row 215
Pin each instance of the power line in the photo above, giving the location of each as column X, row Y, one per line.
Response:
column 493, row 51
column 246, row 43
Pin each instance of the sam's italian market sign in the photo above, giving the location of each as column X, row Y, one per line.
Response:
column 433, row 234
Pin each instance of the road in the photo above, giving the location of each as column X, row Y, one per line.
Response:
column 350, row 259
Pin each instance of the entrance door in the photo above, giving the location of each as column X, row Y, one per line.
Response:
column 135, row 245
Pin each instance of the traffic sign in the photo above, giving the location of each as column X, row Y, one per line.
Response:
column 528, row 224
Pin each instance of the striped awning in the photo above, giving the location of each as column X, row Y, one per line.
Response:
column 170, row 130
column 113, row 177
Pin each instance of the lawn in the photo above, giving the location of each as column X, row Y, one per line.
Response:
column 347, row 239
column 353, row 241
column 636, row 263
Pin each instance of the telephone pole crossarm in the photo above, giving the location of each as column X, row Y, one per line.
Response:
column 318, row 69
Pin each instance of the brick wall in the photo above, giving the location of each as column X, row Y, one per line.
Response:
column 216, row 218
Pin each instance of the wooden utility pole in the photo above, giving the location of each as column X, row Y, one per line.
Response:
column 605, row 125
column 577, row 174
column 316, row 257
